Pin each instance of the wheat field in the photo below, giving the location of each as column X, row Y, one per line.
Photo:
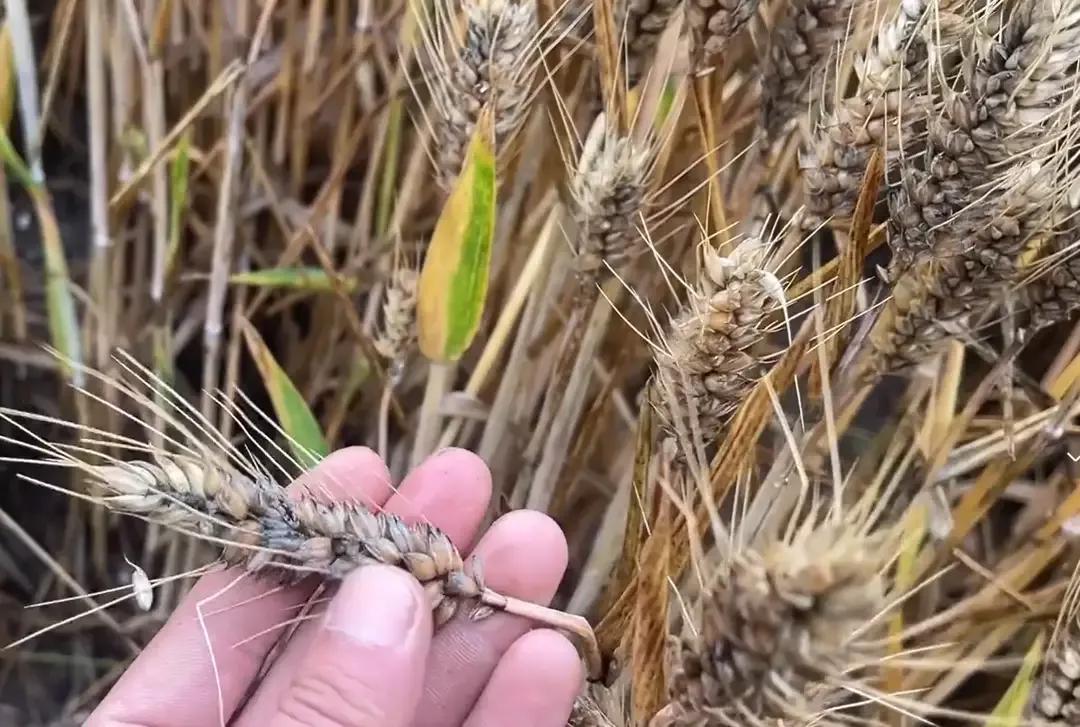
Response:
column 771, row 304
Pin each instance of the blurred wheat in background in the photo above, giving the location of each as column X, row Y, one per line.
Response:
column 770, row 303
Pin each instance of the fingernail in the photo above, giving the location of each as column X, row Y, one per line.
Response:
column 376, row 605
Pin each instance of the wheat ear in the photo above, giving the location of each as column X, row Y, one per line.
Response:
column 1055, row 696
column 713, row 23
column 805, row 37
column 643, row 23
column 491, row 66
column 885, row 113
column 778, row 630
column 397, row 337
column 609, row 187
column 992, row 136
column 961, row 224
column 708, row 359
column 212, row 492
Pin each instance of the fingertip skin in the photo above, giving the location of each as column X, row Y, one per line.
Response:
column 524, row 555
column 365, row 666
column 534, row 684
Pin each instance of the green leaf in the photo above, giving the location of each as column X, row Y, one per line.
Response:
column 306, row 438
column 454, row 280
column 667, row 101
column 178, row 194
column 311, row 279
column 1009, row 712
column 14, row 161
column 60, row 303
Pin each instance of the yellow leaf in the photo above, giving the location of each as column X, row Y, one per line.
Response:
column 7, row 77
column 454, row 280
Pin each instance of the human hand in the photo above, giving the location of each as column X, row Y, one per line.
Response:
column 370, row 658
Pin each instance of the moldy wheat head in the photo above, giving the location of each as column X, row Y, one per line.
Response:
column 777, row 628
column 708, row 359
column 609, row 197
column 806, row 36
column 397, row 336
column 492, row 66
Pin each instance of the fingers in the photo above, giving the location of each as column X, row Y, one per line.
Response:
column 158, row 686
column 451, row 491
column 534, row 684
column 524, row 555
column 366, row 660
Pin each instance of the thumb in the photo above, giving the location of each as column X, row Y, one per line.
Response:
column 365, row 666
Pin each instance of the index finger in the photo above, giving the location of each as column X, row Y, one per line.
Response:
column 183, row 657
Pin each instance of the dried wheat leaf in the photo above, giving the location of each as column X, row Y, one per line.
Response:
column 640, row 504
column 840, row 303
column 648, row 636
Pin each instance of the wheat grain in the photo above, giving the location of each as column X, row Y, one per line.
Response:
column 645, row 21
column 1056, row 695
column 713, row 23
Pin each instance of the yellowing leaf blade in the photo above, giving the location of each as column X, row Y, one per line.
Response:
column 306, row 438
column 7, row 77
column 1009, row 712
column 454, row 280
